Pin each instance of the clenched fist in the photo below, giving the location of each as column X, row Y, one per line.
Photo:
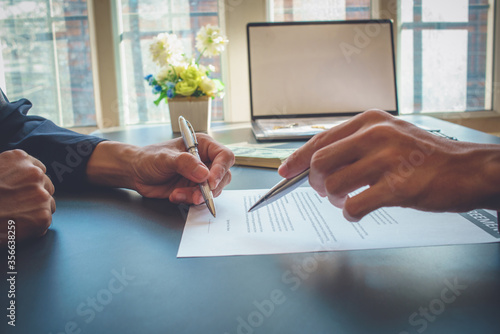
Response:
column 25, row 196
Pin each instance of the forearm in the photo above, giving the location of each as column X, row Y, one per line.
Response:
column 110, row 165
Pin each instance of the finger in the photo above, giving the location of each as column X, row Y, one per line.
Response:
column 330, row 159
column 224, row 182
column 53, row 205
column 218, row 172
column 220, row 158
column 187, row 195
column 352, row 177
column 300, row 159
column 190, row 167
column 371, row 199
column 37, row 163
column 48, row 185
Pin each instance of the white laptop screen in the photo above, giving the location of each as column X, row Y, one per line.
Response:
column 321, row 68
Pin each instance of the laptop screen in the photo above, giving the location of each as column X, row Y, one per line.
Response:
column 309, row 69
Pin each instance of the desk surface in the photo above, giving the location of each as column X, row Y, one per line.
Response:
column 108, row 265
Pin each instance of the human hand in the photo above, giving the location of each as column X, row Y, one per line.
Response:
column 163, row 170
column 26, row 195
column 167, row 170
column 402, row 164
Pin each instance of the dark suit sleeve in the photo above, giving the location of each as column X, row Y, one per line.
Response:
column 65, row 153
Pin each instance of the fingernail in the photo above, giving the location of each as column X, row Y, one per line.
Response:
column 200, row 172
column 180, row 197
column 200, row 199
column 216, row 183
column 338, row 201
column 349, row 217
column 283, row 169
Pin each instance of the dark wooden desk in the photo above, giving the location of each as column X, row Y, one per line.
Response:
column 108, row 265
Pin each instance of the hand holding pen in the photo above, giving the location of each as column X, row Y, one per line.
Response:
column 191, row 143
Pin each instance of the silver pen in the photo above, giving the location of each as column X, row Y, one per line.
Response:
column 284, row 187
column 189, row 137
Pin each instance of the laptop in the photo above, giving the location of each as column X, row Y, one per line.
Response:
column 306, row 77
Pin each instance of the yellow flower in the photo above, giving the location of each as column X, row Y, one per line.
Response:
column 192, row 74
column 179, row 69
column 186, row 87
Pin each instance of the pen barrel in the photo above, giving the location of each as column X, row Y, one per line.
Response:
column 205, row 191
column 204, row 187
column 194, row 151
column 191, row 143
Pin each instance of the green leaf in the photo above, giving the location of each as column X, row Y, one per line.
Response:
column 218, row 84
column 163, row 95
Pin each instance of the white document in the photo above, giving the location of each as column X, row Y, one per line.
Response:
column 302, row 221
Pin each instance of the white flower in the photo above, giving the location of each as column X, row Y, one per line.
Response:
column 208, row 87
column 166, row 49
column 164, row 74
column 210, row 41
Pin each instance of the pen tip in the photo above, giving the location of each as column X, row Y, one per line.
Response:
column 212, row 210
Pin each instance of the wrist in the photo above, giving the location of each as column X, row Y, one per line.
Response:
column 491, row 178
column 111, row 165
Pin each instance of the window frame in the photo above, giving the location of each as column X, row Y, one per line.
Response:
column 451, row 115
column 385, row 9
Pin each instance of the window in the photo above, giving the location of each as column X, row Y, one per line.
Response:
column 45, row 57
column 445, row 52
column 315, row 10
column 445, row 48
column 139, row 22
column 446, row 55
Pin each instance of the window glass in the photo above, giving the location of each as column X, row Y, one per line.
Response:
column 45, row 57
column 319, row 10
column 439, row 11
column 445, row 55
column 141, row 21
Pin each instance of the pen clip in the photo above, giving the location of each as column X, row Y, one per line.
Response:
column 193, row 135
column 188, row 134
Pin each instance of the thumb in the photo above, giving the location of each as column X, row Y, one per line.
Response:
column 191, row 167
column 297, row 162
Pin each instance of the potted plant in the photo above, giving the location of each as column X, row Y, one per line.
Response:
column 183, row 82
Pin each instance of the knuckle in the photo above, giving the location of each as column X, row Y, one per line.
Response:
column 318, row 141
column 17, row 153
column 34, row 174
column 378, row 132
column 387, row 158
column 223, row 171
column 376, row 114
column 42, row 195
column 319, row 160
column 182, row 161
column 316, row 160
column 333, row 185
column 51, row 186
